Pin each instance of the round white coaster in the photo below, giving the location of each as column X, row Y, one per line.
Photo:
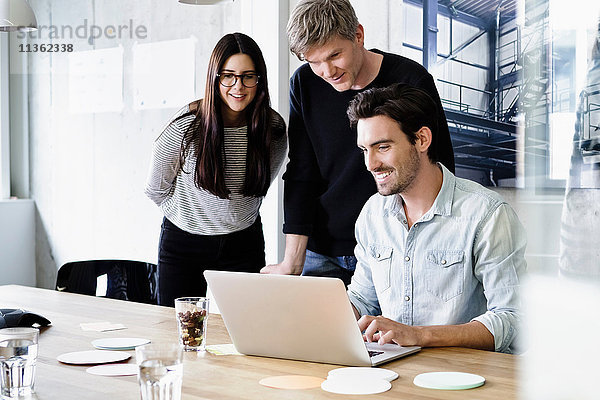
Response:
column 93, row 357
column 113, row 370
column 353, row 386
column 448, row 380
column 364, row 373
column 119, row 343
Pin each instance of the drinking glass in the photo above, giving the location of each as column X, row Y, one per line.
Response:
column 18, row 354
column 192, row 321
column 160, row 371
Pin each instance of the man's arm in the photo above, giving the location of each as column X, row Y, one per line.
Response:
column 383, row 330
column 301, row 182
column 293, row 260
column 499, row 264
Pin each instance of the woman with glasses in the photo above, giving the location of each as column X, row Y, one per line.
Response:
column 211, row 168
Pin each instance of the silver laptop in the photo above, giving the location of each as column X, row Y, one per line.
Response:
column 295, row 317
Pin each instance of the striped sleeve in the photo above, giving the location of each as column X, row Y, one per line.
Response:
column 165, row 162
column 193, row 209
column 279, row 145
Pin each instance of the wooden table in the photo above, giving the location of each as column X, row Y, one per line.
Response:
column 207, row 376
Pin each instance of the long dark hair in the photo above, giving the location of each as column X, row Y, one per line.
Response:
column 205, row 134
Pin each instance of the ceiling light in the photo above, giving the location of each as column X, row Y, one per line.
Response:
column 16, row 15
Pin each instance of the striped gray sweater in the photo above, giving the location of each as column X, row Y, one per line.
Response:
column 196, row 210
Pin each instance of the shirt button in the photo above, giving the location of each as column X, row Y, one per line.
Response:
column 443, row 262
column 407, row 298
column 404, row 221
column 407, row 258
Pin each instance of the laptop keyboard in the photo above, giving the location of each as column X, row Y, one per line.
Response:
column 374, row 353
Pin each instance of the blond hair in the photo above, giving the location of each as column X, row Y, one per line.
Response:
column 314, row 22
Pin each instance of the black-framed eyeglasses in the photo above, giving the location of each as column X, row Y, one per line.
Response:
column 248, row 80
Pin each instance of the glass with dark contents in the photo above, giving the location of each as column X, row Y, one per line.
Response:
column 192, row 321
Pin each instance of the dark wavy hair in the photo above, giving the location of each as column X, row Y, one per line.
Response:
column 410, row 107
column 205, row 135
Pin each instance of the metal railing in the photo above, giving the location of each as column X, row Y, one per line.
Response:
column 591, row 108
column 459, row 104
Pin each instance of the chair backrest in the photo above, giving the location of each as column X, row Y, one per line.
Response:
column 126, row 280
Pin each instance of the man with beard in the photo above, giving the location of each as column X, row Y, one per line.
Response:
column 439, row 258
column 325, row 182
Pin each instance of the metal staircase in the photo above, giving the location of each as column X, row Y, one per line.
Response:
column 486, row 139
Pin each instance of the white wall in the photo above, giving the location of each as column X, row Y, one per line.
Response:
column 17, row 242
column 88, row 169
column 4, row 120
column 265, row 22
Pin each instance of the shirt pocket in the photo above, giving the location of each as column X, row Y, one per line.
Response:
column 381, row 264
column 444, row 273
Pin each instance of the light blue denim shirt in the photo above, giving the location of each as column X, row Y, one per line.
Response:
column 461, row 261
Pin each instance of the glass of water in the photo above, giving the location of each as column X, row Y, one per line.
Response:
column 160, row 371
column 18, row 354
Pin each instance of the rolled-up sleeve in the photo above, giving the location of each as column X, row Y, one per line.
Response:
column 500, row 266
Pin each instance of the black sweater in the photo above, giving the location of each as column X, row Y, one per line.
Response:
column 326, row 181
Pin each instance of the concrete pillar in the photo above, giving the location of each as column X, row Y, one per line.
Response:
column 265, row 22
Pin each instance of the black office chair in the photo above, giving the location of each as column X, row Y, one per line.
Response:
column 126, row 280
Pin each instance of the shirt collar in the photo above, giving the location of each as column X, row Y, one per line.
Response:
column 393, row 206
column 443, row 202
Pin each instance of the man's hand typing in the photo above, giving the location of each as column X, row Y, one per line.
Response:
column 384, row 330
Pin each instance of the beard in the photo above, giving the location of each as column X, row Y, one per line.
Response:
column 404, row 175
